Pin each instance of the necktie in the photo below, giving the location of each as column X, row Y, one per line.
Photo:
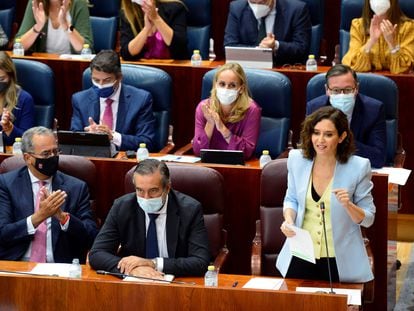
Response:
column 262, row 31
column 152, row 242
column 38, row 253
column 108, row 118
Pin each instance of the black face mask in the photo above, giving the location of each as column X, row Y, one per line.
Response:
column 48, row 166
column 3, row 86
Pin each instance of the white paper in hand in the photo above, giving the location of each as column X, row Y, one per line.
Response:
column 301, row 244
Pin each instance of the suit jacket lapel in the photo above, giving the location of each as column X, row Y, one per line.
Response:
column 25, row 186
column 173, row 222
column 57, row 184
column 357, row 120
column 122, row 115
column 93, row 106
column 280, row 24
column 139, row 243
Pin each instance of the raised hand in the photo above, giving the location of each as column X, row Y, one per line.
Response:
column 388, row 30
column 39, row 14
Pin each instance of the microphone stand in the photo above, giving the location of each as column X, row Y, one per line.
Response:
column 322, row 207
column 123, row 275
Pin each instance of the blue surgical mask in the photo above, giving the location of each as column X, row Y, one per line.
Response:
column 343, row 102
column 150, row 205
column 104, row 90
column 226, row 96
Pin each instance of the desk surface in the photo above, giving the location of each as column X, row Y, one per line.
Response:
column 24, row 292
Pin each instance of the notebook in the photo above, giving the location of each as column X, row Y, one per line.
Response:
column 84, row 144
column 250, row 57
column 222, row 156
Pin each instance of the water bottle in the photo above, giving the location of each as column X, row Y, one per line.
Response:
column 18, row 49
column 311, row 64
column 86, row 52
column 196, row 58
column 1, row 142
column 75, row 270
column 142, row 152
column 17, row 146
column 264, row 158
column 211, row 277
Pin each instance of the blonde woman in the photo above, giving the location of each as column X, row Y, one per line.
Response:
column 56, row 26
column 229, row 119
column 16, row 105
column 153, row 29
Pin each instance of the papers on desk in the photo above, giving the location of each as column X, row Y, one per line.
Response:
column 167, row 277
column 52, row 269
column 175, row 158
column 301, row 244
column 396, row 175
column 354, row 295
column 264, row 283
column 77, row 56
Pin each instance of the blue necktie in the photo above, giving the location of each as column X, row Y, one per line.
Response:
column 152, row 242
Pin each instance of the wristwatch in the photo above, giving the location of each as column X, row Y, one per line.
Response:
column 70, row 29
column 154, row 262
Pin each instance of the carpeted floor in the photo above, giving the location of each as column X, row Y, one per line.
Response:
column 405, row 278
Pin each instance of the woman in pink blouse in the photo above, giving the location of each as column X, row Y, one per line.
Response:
column 229, row 119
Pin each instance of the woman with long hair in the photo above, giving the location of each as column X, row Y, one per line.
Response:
column 16, row 105
column 382, row 39
column 229, row 119
column 153, row 29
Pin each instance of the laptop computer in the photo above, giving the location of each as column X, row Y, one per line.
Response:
column 222, row 156
column 250, row 57
column 84, row 144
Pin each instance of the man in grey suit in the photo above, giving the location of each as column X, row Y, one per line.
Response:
column 125, row 243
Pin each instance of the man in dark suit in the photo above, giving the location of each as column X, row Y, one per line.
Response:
column 284, row 24
column 121, row 111
column 125, row 243
column 365, row 114
column 45, row 215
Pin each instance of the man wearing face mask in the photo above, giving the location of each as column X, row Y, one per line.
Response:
column 109, row 106
column 153, row 231
column 282, row 25
column 45, row 215
column 365, row 114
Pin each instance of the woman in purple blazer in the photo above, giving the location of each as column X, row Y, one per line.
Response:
column 229, row 119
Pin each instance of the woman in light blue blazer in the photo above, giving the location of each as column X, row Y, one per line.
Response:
column 325, row 170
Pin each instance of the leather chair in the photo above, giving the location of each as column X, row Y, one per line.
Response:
column 272, row 92
column 194, row 181
column 268, row 240
column 198, row 26
column 316, row 10
column 383, row 89
column 104, row 8
column 159, row 84
column 104, row 31
column 38, row 79
column 76, row 166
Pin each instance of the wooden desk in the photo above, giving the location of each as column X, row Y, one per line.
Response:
column 101, row 292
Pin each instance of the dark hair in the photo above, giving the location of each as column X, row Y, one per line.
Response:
column 339, row 70
column 344, row 150
column 395, row 15
column 107, row 61
column 27, row 138
column 150, row 166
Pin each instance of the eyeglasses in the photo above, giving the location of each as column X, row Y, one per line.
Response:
column 230, row 85
column 47, row 153
column 337, row 91
column 297, row 66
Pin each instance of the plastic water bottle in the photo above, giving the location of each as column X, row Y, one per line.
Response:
column 211, row 277
column 311, row 64
column 86, row 52
column 1, row 142
column 75, row 270
column 18, row 49
column 17, row 146
column 142, row 152
column 196, row 58
column 264, row 158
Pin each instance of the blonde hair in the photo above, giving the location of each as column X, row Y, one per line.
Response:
column 242, row 102
column 12, row 92
column 135, row 16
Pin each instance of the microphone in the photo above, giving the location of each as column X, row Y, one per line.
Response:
column 322, row 207
column 123, row 275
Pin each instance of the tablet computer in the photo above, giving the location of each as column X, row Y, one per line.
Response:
column 250, row 57
column 84, row 144
column 222, row 156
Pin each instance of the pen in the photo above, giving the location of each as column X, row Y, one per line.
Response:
column 235, row 284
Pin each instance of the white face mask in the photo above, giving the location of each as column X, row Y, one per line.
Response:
column 343, row 102
column 139, row 2
column 150, row 205
column 380, row 7
column 259, row 10
column 226, row 96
